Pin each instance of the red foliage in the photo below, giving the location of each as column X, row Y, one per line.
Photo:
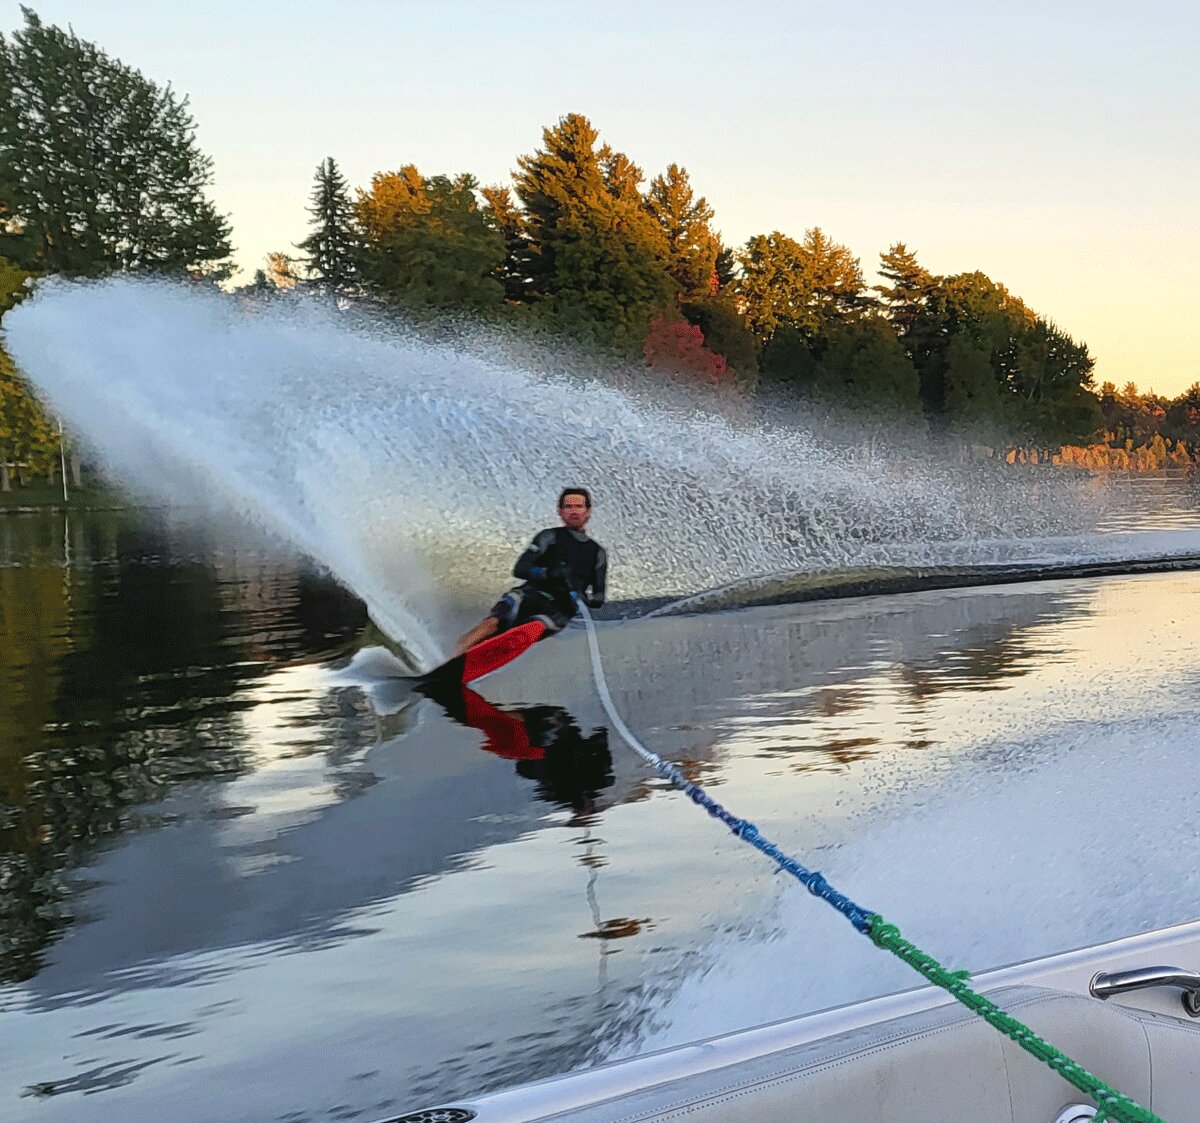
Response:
column 677, row 347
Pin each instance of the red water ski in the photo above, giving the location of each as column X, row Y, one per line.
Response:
column 493, row 653
column 487, row 656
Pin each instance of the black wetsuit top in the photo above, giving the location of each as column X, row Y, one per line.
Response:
column 584, row 557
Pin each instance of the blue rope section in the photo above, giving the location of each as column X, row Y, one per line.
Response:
column 812, row 880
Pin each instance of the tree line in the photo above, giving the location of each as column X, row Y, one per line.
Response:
column 100, row 172
column 1142, row 432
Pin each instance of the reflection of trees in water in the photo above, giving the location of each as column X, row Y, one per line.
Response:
column 820, row 676
column 985, row 656
column 122, row 677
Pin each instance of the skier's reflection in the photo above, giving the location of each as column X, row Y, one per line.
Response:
column 545, row 742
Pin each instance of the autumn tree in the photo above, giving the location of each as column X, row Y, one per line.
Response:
column 427, row 244
column 725, row 331
column 99, row 168
column 598, row 258
column 686, row 222
column 1181, row 418
column 282, row 271
column 804, row 285
column 27, row 435
column 675, row 347
column 1130, row 416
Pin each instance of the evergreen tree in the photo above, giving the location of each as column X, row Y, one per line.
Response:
column 504, row 216
column 99, row 168
column 332, row 248
column 598, row 258
column 1051, row 376
column 904, row 299
column 987, row 316
column 864, row 368
column 806, row 285
column 972, row 395
column 562, row 177
column 427, row 243
column 788, row 362
column 726, row 268
column 692, row 246
column 622, row 177
column 1181, row 419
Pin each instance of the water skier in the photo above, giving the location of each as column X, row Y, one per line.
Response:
column 560, row 560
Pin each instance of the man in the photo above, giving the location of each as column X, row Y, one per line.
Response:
column 559, row 560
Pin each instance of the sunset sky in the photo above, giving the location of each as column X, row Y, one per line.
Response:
column 1056, row 148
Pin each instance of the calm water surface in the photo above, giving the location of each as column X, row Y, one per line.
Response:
column 246, row 875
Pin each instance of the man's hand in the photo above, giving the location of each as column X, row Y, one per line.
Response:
column 560, row 571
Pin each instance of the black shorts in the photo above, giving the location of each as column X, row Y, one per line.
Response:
column 519, row 606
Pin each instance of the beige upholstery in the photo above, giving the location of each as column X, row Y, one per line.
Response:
column 944, row 1064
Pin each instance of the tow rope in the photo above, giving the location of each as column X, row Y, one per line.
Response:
column 1111, row 1104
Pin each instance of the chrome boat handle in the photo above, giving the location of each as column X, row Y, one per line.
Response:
column 1105, row 984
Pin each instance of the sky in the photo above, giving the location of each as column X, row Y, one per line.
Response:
column 1054, row 146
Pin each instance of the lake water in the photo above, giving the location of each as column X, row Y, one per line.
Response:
column 247, row 874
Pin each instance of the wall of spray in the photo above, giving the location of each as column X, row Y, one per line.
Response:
column 414, row 471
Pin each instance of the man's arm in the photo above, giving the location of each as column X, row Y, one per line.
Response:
column 531, row 565
column 599, row 579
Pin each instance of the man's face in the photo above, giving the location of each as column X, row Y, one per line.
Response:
column 574, row 511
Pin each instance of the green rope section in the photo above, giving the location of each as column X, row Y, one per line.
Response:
column 1111, row 1103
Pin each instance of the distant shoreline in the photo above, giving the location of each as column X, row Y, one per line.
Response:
column 40, row 495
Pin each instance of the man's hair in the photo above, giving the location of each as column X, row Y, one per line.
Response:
column 587, row 497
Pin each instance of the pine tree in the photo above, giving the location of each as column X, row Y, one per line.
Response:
column 726, row 268
column 904, row 299
column 332, row 248
column 505, row 217
column 99, row 168
column 864, row 368
column 598, row 258
column 805, row 285
column 692, row 246
column 622, row 177
column 427, row 243
column 561, row 177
